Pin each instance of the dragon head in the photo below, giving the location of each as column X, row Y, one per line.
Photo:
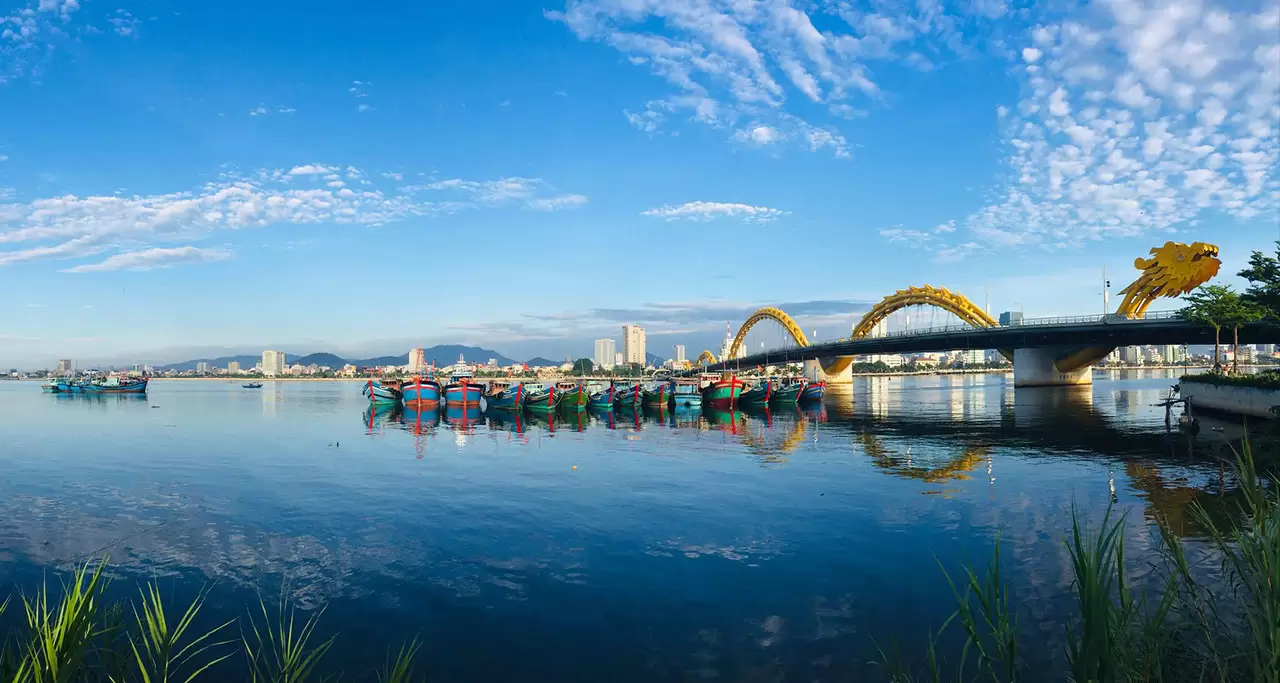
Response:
column 1175, row 269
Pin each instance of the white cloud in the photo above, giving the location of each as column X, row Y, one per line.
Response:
column 737, row 65
column 30, row 31
column 71, row 226
column 1135, row 118
column 151, row 259
column 258, row 110
column 708, row 210
column 362, row 107
column 393, row 176
column 124, row 23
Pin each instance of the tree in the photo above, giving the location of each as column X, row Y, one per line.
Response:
column 1243, row 312
column 1263, row 275
column 582, row 367
column 1214, row 306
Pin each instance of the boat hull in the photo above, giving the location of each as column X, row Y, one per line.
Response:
column 787, row 395
column 658, row 397
column 757, row 396
column 630, row 397
column 813, row 393
column 686, row 401
column 379, row 393
column 723, row 395
column 602, row 400
column 138, row 387
column 511, row 398
column 421, row 393
column 575, row 398
column 463, row 393
column 542, row 400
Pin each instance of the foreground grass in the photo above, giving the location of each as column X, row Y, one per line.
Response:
column 1184, row 630
column 72, row 635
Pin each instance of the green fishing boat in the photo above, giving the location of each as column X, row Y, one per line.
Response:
column 658, row 395
column 574, row 398
column 541, row 398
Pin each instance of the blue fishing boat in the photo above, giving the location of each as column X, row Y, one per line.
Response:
column 813, row 393
column 116, row 385
column 510, row 398
column 461, row 391
column 423, row 393
column 629, row 397
column 788, row 393
column 252, row 385
column 541, row 398
column 685, row 394
column 603, row 399
column 386, row 391
column 757, row 395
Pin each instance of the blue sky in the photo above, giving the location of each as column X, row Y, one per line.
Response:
column 178, row 180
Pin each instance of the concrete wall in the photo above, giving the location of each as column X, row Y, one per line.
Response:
column 1035, row 368
column 813, row 372
column 1251, row 401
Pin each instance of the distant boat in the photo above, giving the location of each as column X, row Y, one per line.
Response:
column 116, row 385
column 386, row 391
column 789, row 393
column 758, row 395
column 685, row 394
column 603, row 399
column 510, row 398
column 658, row 395
column 813, row 392
column 422, row 393
column 723, row 393
column 252, row 385
column 574, row 398
column 630, row 397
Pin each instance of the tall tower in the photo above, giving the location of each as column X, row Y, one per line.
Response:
column 633, row 350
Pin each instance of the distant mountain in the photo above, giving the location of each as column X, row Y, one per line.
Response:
column 653, row 359
column 541, row 362
column 444, row 354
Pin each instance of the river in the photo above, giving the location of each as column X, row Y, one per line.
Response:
column 623, row 548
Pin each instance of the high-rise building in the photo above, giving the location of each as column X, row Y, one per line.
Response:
column 64, row 366
column 606, row 353
column 1011, row 318
column 202, row 368
column 679, row 357
column 1172, row 354
column 417, row 361
column 233, row 368
column 1130, row 354
column 272, row 363
column 1266, row 349
column 633, row 344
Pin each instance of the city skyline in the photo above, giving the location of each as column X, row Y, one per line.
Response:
column 160, row 181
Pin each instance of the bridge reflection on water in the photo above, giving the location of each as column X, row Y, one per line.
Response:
column 938, row 430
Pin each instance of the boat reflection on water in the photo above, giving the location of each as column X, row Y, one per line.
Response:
column 631, row 417
column 605, row 416
column 573, row 420
column 378, row 415
column 420, row 421
column 725, row 420
column 686, row 417
column 463, row 418
column 506, row 420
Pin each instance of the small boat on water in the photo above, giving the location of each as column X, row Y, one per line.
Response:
column 788, row 393
column 758, row 395
column 509, row 398
column 422, row 393
column 685, row 394
column 659, row 395
column 116, row 385
column 603, row 399
column 574, row 398
column 629, row 397
column 385, row 391
column 252, row 385
column 813, row 392
column 541, row 397
column 461, row 391
column 723, row 393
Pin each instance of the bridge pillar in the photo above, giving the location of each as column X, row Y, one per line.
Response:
column 814, row 373
column 1034, row 368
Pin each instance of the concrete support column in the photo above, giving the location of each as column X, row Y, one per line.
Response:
column 1034, row 368
column 814, row 373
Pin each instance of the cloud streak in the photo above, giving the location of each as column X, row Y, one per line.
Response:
column 151, row 259
column 705, row 211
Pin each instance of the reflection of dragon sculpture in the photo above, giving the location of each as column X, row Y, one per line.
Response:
column 1173, row 270
column 955, row 469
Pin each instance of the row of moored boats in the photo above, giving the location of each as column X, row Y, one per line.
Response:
column 95, row 385
column 726, row 393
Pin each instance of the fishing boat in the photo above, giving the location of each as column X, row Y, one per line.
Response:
column 50, row 387
column 252, row 385
column 461, row 391
column 685, row 394
column 68, row 385
column 758, row 395
column 541, row 397
column 386, row 391
column 574, row 398
column 603, row 399
column 723, row 393
column 659, row 395
column 116, row 385
column 508, row 398
column 813, row 392
column 422, row 393
column 629, row 397
column 788, row 393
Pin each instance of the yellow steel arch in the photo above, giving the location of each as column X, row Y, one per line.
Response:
column 706, row 358
column 767, row 313
column 941, row 297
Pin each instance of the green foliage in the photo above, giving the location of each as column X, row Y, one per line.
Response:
column 1211, row 305
column 162, row 651
column 582, row 367
column 1263, row 275
column 281, row 652
column 1262, row 380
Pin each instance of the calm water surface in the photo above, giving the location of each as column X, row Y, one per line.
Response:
column 595, row 547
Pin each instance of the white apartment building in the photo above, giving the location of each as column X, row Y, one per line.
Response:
column 633, row 344
column 605, row 354
column 273, row 363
